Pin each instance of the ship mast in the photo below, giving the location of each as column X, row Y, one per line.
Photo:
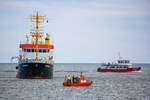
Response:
column 36, row 33
column 119, row 56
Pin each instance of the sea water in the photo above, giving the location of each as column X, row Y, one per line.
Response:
column 106, row 85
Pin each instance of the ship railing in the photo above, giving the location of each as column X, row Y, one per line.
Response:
column 36, row 61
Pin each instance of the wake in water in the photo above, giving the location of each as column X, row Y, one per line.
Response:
column 138, row 71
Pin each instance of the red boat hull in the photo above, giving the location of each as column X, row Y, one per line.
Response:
column 80, row 84
column 119, row 70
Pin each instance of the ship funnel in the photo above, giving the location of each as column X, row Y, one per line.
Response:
column 47, row 39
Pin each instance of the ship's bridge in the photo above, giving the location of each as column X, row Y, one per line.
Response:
column 124, row 62
column 29, row 50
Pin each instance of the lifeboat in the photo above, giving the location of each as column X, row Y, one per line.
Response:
column 77, row 81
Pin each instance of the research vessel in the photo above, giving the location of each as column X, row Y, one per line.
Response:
column 36, row 55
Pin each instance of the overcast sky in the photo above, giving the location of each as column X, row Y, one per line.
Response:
column 84, row 31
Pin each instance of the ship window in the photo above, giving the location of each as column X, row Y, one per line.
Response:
column 44, row 50
column 47, row 50
column 28, row 50
column 40, row 50
column 25, row 50
column 33, row 50
column 126, row 62
column 113, row 67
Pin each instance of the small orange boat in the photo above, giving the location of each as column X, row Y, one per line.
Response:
column 77, row 81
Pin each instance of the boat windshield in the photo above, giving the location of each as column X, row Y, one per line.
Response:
column 123, row 61
column 103, row 67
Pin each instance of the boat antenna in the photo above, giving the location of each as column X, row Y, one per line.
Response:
column 119, row 56
column 27, row 39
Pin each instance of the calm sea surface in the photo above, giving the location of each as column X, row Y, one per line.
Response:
column 106, row 86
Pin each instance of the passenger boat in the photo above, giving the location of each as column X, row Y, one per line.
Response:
column 36, row 56
column 121, row 66
column 77, row 81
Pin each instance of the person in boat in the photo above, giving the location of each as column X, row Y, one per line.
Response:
column 81, row 75
column 74, row 80
column 69, row 79
column 65, row 78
